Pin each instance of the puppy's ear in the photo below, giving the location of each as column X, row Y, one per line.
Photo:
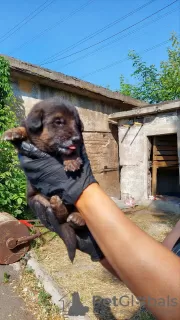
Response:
column 81, row 126
column 79, row 123
column 34, row 121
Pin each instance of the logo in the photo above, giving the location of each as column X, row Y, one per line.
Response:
column 77, row 308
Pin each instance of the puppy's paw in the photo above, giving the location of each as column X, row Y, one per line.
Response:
column 76, row 220
column 14, row 134
column 40, row 199
column 59, row 209
column 55, row 202
column 72, row 164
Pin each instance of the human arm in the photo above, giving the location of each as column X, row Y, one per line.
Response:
column 148, row 268
column 145, row 266
column 172, row 237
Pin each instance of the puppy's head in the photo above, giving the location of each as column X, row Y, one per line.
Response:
column 54, row 126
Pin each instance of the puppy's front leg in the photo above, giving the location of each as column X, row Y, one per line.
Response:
column 61, row 212
column 59, row 209
column 14, row 134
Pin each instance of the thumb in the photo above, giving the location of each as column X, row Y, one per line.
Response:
column 29, row 150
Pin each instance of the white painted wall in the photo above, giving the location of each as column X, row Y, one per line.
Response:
column 133, row 151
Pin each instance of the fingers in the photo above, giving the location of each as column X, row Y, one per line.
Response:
column 53, row 221
column 65, row 232
column 87, row 244
column 31, row 151
column 42, row 214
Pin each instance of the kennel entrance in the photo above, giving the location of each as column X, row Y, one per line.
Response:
column 165, row 166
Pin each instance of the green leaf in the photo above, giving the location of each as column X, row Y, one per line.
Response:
column 19, row 200
column 155, row 85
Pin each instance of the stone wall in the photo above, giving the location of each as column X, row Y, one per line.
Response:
column 101, row 140
column 134, row 151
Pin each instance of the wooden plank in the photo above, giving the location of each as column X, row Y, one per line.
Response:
column 167, row 148
column 166, row 143
column 166, row 153
column 169, row 168
column 165, row 163
column 167, row 138
column 164, row 158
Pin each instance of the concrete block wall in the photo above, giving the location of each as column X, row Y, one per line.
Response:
column 134, row 151
column 101, row 144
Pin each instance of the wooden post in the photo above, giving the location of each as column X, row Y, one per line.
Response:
column 154, row 169
column 154, row 180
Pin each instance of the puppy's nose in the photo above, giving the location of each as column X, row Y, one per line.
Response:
column 76, row 139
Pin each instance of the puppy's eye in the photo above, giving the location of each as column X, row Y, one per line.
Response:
column 59, row 121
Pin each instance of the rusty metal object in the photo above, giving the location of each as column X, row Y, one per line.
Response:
column 14, row 240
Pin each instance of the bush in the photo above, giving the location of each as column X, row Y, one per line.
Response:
column 12, row 178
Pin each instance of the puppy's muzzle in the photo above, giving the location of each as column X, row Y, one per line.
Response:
column 70, row 145
column 76, row 139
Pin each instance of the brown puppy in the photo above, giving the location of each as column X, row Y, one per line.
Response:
column 54, row 126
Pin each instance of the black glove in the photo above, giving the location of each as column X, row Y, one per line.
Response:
column 85, row 240
column 47, row 175
column 87, row 244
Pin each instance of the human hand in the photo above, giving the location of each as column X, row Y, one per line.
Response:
column 47, row 174
column 84, row 239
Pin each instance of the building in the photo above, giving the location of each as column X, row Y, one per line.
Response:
column 32, row 83
column 149, row 150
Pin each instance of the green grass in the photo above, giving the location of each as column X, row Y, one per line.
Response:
column 44, row 299
column 6, row 277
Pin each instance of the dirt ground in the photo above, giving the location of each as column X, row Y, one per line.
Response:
column 22, row 297
column 35, row 297
column 90, row 280
column 11, row 305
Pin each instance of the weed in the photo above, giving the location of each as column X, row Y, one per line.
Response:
column 44, row 299
column 29, row 269
column 6, row 277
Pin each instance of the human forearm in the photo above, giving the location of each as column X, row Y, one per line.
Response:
column 172, row 237
column 108, row 267
column 145, row 266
